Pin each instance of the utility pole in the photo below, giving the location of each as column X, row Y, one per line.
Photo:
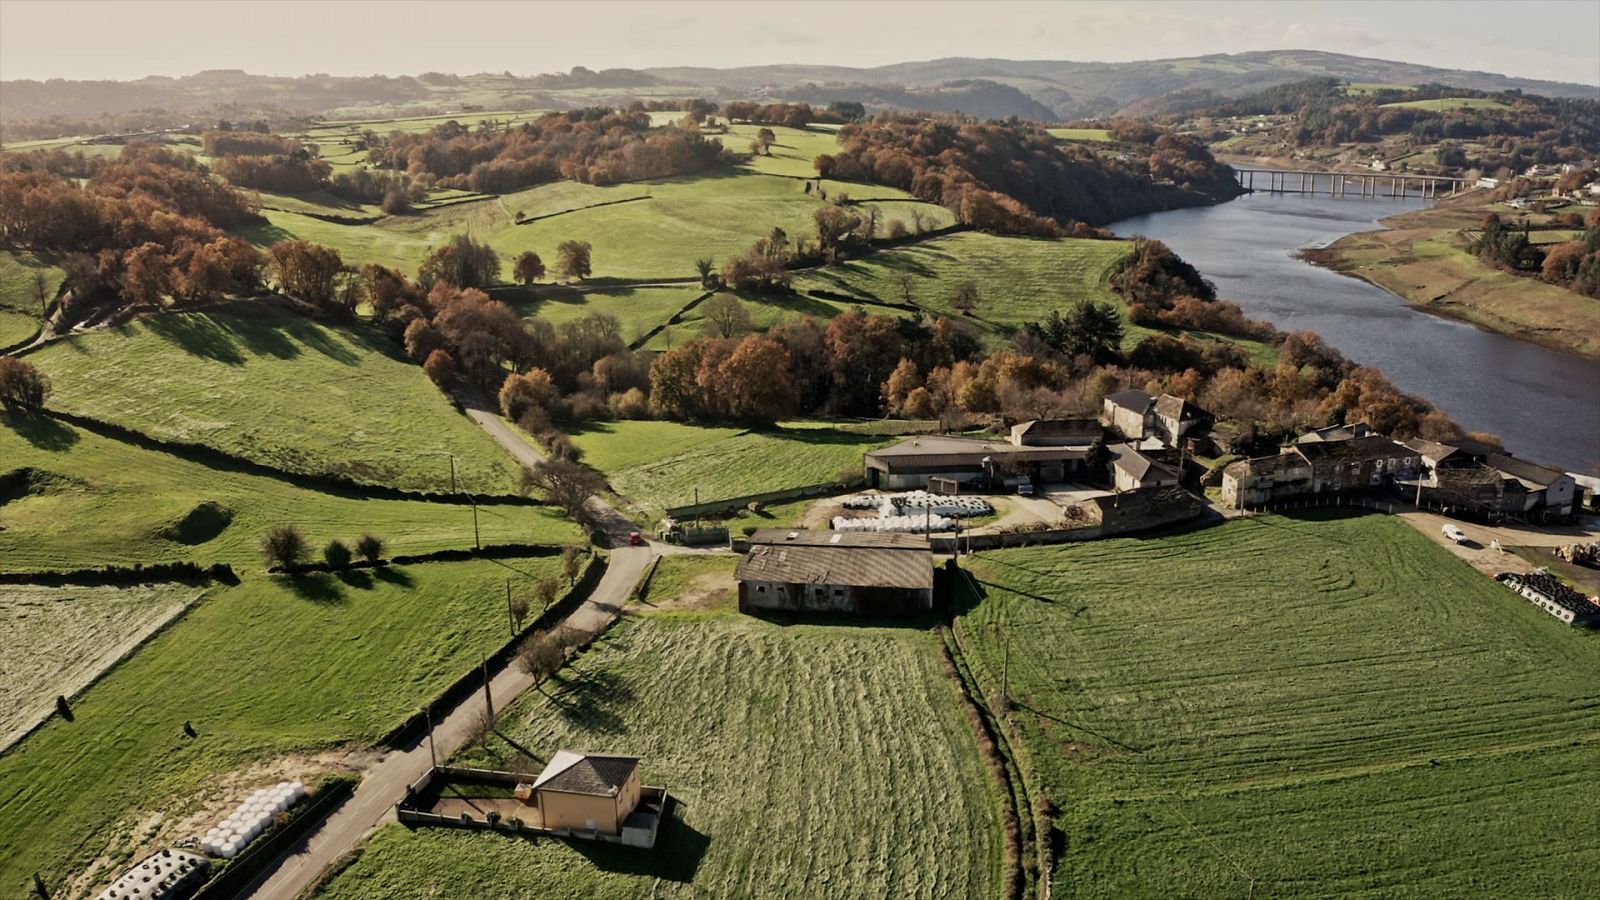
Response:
column 510, row 618
column 488, row 702
column 477, row 543
column 1005, row 665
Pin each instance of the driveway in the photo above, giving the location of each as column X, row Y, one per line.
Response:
column 1479, row 551
column 384, row 784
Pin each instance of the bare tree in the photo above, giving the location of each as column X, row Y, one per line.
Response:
column 547, row 588
column 541, row 656
column 283, row 546
column 905, row 283
column 725, row 316
column 567, row 484
column 519, row 609
column 41, row 289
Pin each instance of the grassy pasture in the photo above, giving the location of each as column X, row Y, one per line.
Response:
column 639, row 309
column 57, row 639
column 276, row 387
column 791, row 153
column 1019, row 280
column 716, row 216
column 1444, row 104
column 807, row 761
column 263, row 670
column 1329, row 705
column 1080, row 134
column 764, row 311
column 659, row 464
column 1365, row 88
column 102, row 502
column 19, row 304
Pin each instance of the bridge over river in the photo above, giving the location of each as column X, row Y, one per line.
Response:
column 1354, row 184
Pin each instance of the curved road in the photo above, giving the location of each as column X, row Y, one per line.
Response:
column 384, row 783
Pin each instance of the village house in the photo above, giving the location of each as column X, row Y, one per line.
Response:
column 1131, row 470
column 1483, row 480
column 1137, row 416
column 1549, row 594
column 911, row 463
column 1334, row 433
column 1318, row 467
column 590, row 792
column 869, row 573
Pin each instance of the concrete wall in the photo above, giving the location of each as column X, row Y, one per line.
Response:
column 827, row 598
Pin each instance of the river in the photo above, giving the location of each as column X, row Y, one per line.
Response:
column 1543, row 404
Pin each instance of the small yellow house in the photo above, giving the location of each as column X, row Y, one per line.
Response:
column 587, row 792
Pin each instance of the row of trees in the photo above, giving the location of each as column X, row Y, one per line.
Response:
column 1014, row 178
column 595, row 146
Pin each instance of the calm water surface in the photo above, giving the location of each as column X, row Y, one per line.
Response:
column 1545, row 405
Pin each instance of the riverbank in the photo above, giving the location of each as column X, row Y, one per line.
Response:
column 1421, row 256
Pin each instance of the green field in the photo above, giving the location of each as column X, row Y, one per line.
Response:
column 100, row 501
column 1019, row 280
column 660, row 464
column 1080, row 134
column 276, row 387
column 1443, row 104
column 1322, row 706
column 57, row 639
column 264, row 670
column 1364, row 88
column 19, row 304
column 638, row 309
column 791, row 154
column 806, row 760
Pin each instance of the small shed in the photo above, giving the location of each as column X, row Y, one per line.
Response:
column 587, row 791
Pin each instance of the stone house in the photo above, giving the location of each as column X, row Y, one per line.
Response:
column 1132, row 470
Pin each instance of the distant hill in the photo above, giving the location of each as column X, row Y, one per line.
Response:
column 1080, row 89
column 988, row 88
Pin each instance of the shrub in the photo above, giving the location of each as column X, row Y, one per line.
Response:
column 22, row 387
column 370, row 548
column 284, row 546
column 441, row 367
column 337, row 554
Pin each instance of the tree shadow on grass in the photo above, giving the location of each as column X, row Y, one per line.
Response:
column 360, row 579
column 394, row 575
column 593, row 700
column 318, row 587
column 41, row 431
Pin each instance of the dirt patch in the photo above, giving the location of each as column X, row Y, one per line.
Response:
column 703, row 592
column 188, row 817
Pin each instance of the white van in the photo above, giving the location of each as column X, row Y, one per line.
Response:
column 1454, row 533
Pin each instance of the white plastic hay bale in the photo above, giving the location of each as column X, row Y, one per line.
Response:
column 230, row 850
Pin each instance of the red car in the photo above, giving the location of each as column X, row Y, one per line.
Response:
column 635, row 539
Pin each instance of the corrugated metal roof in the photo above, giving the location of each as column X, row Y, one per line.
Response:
column 933, row 451
column 838, row 565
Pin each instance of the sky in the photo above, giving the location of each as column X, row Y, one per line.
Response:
column 126, row 39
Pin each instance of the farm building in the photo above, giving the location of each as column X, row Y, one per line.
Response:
column 1056, row 433
column 1136, row 415
column 826, row 571
column 1131, row 470
column 1549, row 594
column 1335, row 433
column 912, row 462
column 586, row 792
column 1328, row 466
column 1484, row 480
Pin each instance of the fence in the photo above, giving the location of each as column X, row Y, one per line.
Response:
column 1323, row 500
column 416, row 724
column 712, row 507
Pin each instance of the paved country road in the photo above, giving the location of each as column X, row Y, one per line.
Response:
column 384, row 783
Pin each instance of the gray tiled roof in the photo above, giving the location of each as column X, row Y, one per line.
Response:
column 589, row 773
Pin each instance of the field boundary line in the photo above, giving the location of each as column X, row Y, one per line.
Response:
column 214, row 458
column 10, row 742
column 673, row 319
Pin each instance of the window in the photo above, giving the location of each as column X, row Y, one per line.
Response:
column 761, row 589
column 838, row 592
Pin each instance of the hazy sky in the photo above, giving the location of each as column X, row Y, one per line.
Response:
column 1555, row 39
